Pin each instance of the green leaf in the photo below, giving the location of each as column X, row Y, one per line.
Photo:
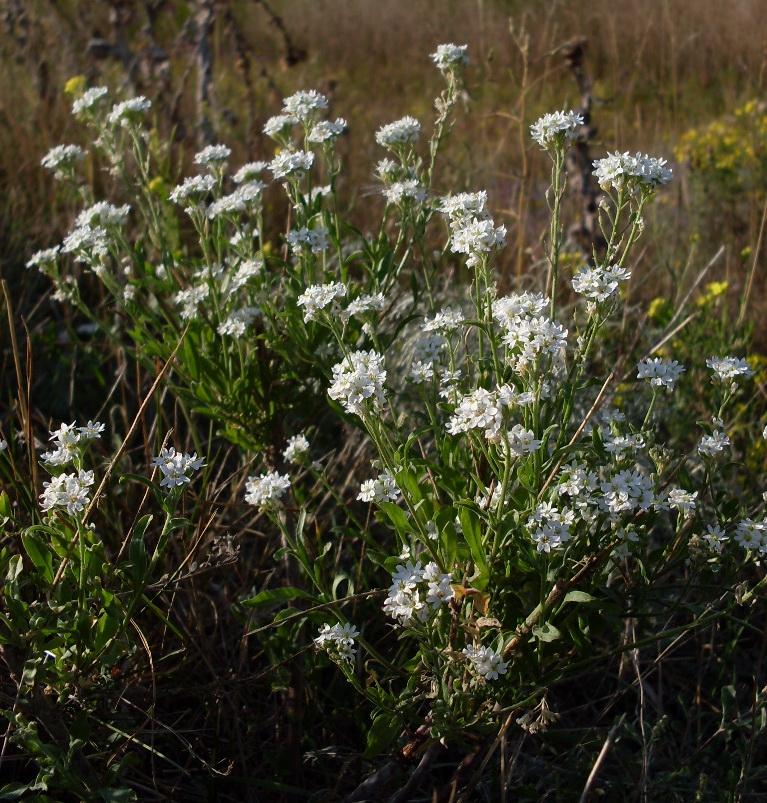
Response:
column 121, row 795
column 275, row 595
column 579, row 596
column 382, row 733
column 39, row 555
column 5, row 505
column 471, row 524
column 546, row 632
column 397, row 517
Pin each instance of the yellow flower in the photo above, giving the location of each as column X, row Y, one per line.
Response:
column 75, row 86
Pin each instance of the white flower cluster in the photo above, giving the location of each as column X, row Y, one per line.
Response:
column 752, row 535
column 486, row 662
column 416, row 592
column 241, row 200
column 681, row 500
column 623, row 171
column 67, row 491
column 190, row 299
column 314, row 240
column 627, row 491
column 660, row 373
column 365, row 303
column 252, row 171
column 529, row 333
column 88, row 244
column 326, row 130
column 338, row 640
column 381, row 489
column 129, row 111
column 711, row 445
column 45, row 257
column 728, row 369
column 192, row 189
column 291, row 164
column 212, row 155
column 318, row 296
column 599, row 283
column 550, row 527
column 473, row 231
column 304, row 105
column 400, row 132
column 297, row 449
column 237, row 322
column 447, row 320
column 62, row 159
column 89, row 99
column 175, row 467
column 358, row 382
column 67, row 439
column 103, row 214
column 449, row 57
column 401, row 192
column 264, row 491
column 483, row 409
column 556, row 128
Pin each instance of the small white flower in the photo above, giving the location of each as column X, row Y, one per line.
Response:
column 556, row 128
column 660, row 373
column 264, row 491
column 486, row 662
column 400, row 132
column 90, row 98
column 382, row 489
column 449, row 57
column 175, row 467
column 212, row 154
column 297, row 449
column 128, row 111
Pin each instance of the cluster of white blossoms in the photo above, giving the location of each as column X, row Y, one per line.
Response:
column 728, row 369
column 244, row 199
column 659, row 372
column 449, row 57
column 338, row 640
column 71, row 492
column 401, row 132
column 402, row 192
column 529, row 333
column 368, row 302
column 265, row 491
column 297, row 449
column 192, row 189
column 416, row 592
column 627, row 491
column 486, row 662
column 381, row 489
column 212, row 155
column 237, row 322
column 62, row 159
column 473, row 231
column 599, row 284
column 752, row 535
column 90, row 99
column 251, row 171
column 129, row 111
column 292, row 164
column 550, row 527
column 305, row 105
column 621, row 171
column 190, row 299
column 711, row 445
column 484, row 409
column 319, row 296
column 681, row 500
column 306, row 239
column 556, row 129
column 103, row 214
column 176, row 467
column 327, row 130
column 68, row 439
column 47, row 256
column 358, row 382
